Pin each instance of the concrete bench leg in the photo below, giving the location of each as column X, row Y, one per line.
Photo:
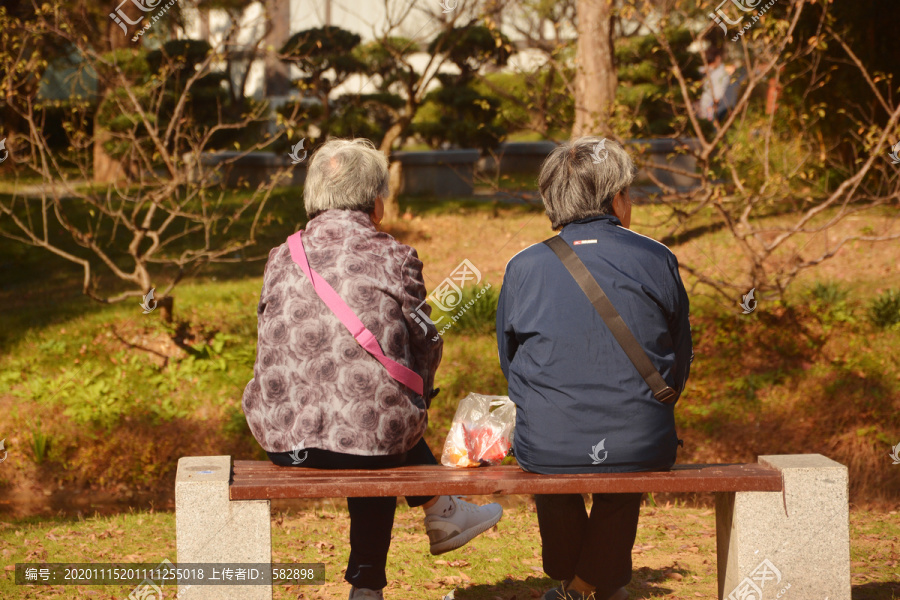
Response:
column 793, row 545
column 211, row 528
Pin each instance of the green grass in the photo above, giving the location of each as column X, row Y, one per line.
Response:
column 524, row 182
column 674, row 553
column 474, row 313
column 82, row 411
column 746, row 375
column 783, row 380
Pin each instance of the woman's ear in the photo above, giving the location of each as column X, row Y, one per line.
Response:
column 622, row 208
column 378, row 212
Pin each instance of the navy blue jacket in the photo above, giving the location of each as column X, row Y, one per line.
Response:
column 582, row 407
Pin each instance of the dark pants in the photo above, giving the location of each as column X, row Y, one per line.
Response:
column 371, row 519
column 596, row 548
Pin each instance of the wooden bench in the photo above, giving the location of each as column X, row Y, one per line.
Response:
column 261, row 480
column 780, row 522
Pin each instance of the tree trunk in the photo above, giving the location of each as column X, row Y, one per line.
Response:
column 278, row 80
column 391, row 203
column 595, row 74
column 106, row 168
column 167, row 308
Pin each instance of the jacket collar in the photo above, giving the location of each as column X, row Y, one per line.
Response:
column 347, row 218
column 605, row 219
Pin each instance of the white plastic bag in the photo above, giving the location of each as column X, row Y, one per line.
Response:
column 481, row 433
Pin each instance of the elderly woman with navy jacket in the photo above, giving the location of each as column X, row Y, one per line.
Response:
column 326, row 398
column 582, row 405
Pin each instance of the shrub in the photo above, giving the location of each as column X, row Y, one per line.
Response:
column 829, row 304
column 460, row 116
column 828, row 293
column 885, row 309
column 479, row 317
column 40, row 445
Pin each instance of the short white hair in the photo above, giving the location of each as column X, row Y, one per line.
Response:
column 345, row 175
column 580, row 179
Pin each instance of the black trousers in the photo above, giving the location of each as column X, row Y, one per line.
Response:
column 596, row 548
column 371, row 519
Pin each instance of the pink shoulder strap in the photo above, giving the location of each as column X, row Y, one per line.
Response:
column 363, row 336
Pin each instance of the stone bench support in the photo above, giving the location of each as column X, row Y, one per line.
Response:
column 793, row 544
column 211, row 528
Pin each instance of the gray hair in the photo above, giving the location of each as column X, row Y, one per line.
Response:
column 346, row 175
column 580, row 179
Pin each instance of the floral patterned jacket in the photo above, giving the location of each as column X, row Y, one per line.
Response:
column 314, row 386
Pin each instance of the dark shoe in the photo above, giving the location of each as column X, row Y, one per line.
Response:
column 557, row 593
column 619, row 594
column 365, row 594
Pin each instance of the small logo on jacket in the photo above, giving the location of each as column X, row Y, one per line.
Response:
column 448, row 6
column 895, row 455
column 295, row 454
column 746, row 300
column 595, row 452
column 146, row 303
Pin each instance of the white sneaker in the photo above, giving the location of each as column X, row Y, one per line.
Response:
column 460, row 524
column 365, row 594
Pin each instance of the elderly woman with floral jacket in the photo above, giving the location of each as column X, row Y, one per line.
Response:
column 318, row 398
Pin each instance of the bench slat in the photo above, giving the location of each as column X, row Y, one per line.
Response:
column 261, row 480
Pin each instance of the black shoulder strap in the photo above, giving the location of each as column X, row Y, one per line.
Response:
column 610, row 316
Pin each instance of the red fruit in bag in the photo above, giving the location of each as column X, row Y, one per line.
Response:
column 486, row 444
column 496, row 452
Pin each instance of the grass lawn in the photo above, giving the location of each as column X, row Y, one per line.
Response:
column 97, row 403
column 83, row 384
column 674, row 555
